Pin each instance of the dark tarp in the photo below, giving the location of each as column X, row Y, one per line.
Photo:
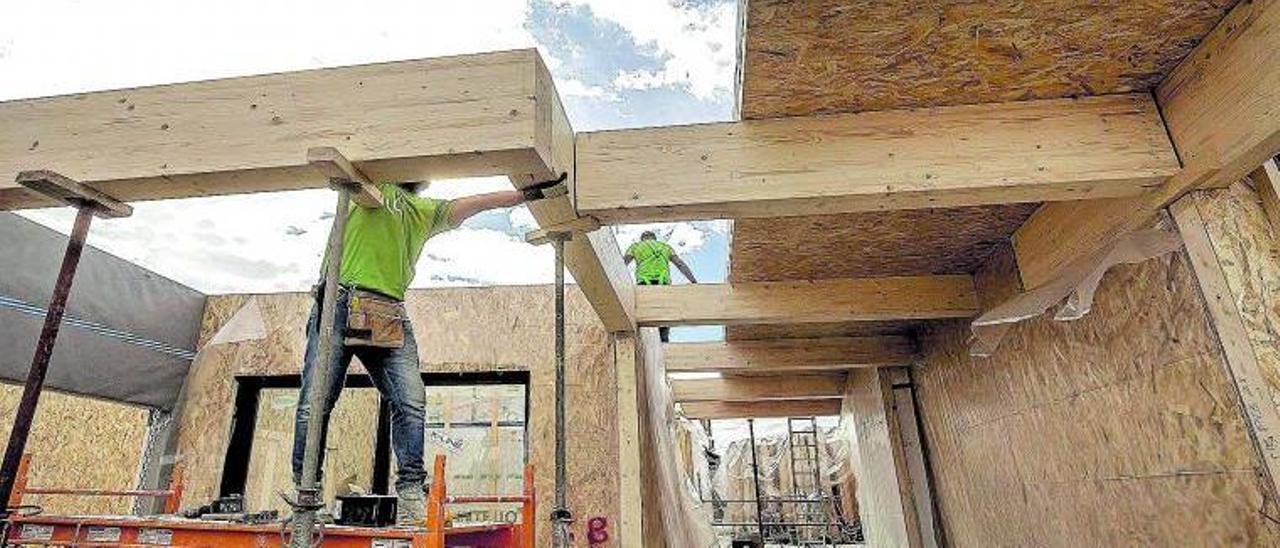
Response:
column 129, row 333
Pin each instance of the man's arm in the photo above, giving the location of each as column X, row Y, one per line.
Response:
column 461, row 209
column 684, row 268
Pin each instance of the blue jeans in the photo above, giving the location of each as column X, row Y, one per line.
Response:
column 396, row 375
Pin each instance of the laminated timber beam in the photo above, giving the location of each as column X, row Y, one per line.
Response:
column 789, row 387
column 1222, row 108
column 789, row 355
column 464, row 116
column 839, row 300
column 1032, row 151
column 718, row 410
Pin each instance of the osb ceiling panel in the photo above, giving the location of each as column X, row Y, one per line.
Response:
column 803, row 57
column 863, row 245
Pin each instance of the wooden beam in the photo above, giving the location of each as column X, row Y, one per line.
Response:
column 1266, row 181
column 1222, row 108
column 1251, row 387
column 72, row 193
column 1032, row 151
column 713, row 410
column 462, row 116
column 775, row 355
column 594, row 259
column 789, row 387
column 841, row 300
column 332, row 164
column 885, row 502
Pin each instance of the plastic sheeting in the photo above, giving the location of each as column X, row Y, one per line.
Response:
column 128, row 331
column 735, row 481
column 1074, row 289
column 686, row 522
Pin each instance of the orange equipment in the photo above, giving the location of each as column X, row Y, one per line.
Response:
column 41, row 530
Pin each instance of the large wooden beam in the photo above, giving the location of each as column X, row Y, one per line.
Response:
column 594, row 258
column 713, row 410
column 1222, row 108
column 783, row 355
column 469, row 115
column 1033, row 151
column 789, row 387
column 841, row 300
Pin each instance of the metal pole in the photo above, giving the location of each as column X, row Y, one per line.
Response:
column 309, row 498
column 755, row 477
column 40, row 362
column 560, row 515
column 819, row 476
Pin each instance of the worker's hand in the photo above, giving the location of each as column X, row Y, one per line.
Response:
column 538, row 191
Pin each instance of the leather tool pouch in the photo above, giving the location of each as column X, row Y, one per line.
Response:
column 374, row 320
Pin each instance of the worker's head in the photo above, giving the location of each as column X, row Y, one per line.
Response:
column 412, row 187
column 648, row 235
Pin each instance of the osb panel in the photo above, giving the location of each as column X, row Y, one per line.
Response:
column 853, row 55
column 865, row 245
column 1249, row 253
column 862, row 245
column 1118, row 429
column 80, row 442
column 457, row 330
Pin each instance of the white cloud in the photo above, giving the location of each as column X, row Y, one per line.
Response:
column 132, row 42
column 575, row 88
column 698, row 42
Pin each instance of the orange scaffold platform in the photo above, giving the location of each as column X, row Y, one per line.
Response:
column 168, row 530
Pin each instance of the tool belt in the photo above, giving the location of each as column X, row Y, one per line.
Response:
column 374, row 320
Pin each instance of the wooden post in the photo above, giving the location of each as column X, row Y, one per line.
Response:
column 1260, row 414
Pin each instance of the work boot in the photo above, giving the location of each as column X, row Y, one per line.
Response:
column 411, row 505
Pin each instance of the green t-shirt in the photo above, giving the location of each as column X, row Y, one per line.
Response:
column 381, row 245
column 651, row 258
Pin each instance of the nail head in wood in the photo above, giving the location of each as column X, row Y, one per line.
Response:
column 73, row 193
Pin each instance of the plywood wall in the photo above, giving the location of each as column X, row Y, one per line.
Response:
column 80, row 442
column 1120, row 429
column 1248, row 252
column 457, row 330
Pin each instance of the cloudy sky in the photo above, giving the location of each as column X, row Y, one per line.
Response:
column 617, row 63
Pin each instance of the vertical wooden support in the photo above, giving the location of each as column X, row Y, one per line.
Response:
column 630, row 503
column 1261, row 415
column 884, row 497
column 912, row 453
column 1266, row 181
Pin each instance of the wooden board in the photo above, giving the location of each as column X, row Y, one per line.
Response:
column 1266, row 182
column 867, row 408
column 1030, row 151
column 454, row 329
column 80, row 442
column 848, row 300
column 630, row 532
column 1252, row 391
column 1222, row 107
column 789, row 355
column 856, row 55
column 712, row 410
column 749, row 389
column 467, row 115
column 1117, row 429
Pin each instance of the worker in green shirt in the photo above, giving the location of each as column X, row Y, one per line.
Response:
column 381, row 249
column 652, row 257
